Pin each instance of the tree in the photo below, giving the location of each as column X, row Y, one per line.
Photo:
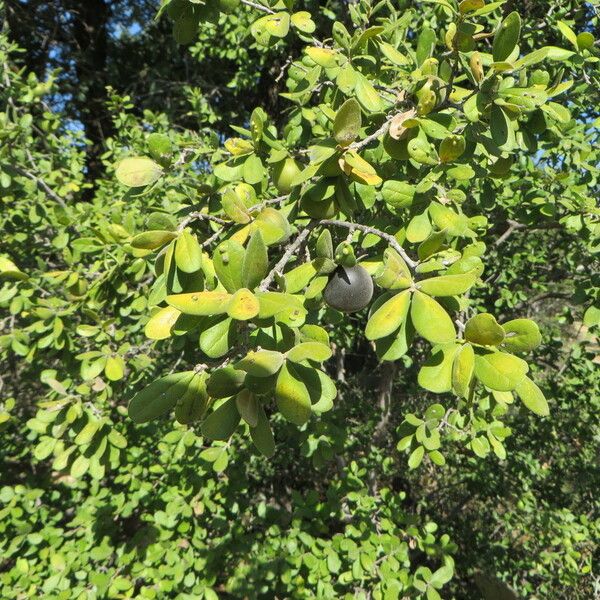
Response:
column 345, row 286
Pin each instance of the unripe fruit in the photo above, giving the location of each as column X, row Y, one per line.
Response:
column 283, row 174
column 349, row 289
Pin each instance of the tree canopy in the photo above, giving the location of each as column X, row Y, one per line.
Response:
column 299, row 299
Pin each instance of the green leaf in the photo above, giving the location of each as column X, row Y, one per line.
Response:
column 243, row 305
column 160, row 146
column 507, row 37
column 324, row 245
column 451, row 148
column 430, row 320
column 9, row 270
column 501, row 128
column 217, row 338
column 256, row 261
column 347, row 123
column 225, row 382
column 500, row 371
column 222, row 422
column 425, row 45
column 394, row 274
column 591, row 318
column 367, row 95
column 416, row 457
column 247, row 406
column 467, row 6
column 585, row 40
column 159, row 397
column 262, row 436
column 188, row 253
column 114, row 368
column 261, row 363
column 193, row 404
column 448, row 285
column 151, row 240
column 292, row 395
column 567, row 32
column 160, row 324
column 398, row 194
column 253, row 170
column 228, row 261
column 483, row 329
column 200, row 303
column 436, row 374
column 463, row 370
column 388, row 318
column 138, row 171
column 302, row 20
column 532, row 397
column 522, row 335
column 309, row 351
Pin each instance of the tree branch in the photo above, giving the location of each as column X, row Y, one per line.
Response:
column 258, row 6
column 41, row 184
column 287, row 255
column 390, row 239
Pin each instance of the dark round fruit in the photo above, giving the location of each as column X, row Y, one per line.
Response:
column 349, row 289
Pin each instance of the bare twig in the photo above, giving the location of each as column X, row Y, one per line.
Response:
column 512, row 227
column 390, row 239
column 287, row 255
column 258, row 6
column 194, row 216
column 41, row 184
column 376, row 135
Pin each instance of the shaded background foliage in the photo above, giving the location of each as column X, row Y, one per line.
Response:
column 159, row 522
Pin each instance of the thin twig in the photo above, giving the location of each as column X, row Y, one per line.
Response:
column 370, row 138
column 390, row 239
column 287, row 255
column 193, row 216
column 258, row 6
column 41, row 184
column 512, row 227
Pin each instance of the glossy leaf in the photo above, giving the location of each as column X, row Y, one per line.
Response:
column 448, row 285
column 309, row 351
column 292, row 396
column 532, row 397
column 483, row 329
column 160, row 324
column 521, row 335
column 463, row 370
column 436, row 373
column 256, row 261
column 388, row 318
column 261, row 363
column 262, row 436
column 500, row 371
column 431, row 320
column 138, row 171
column 347, row 123
column 507, row 37
column 222, row 422
column 188, row 253
column 200, row 303
column 159, row 397
column 243, row 305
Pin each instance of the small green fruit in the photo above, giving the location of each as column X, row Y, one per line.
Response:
column 284, row 173
column 349, row 289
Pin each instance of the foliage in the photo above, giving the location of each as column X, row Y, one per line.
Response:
column 204, row 287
